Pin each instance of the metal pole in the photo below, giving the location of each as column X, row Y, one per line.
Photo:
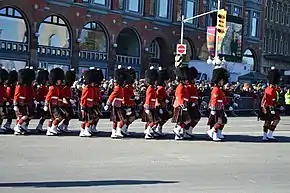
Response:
column 216, row 37
column 182, row 29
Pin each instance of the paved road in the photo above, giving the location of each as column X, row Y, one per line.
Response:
column 242, row 164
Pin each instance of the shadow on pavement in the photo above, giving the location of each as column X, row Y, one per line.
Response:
column 170, row 136
column 65, row 184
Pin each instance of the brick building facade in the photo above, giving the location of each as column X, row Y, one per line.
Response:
column 106, row 33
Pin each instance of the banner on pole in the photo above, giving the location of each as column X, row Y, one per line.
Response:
column 210, row 39
column 220, row 41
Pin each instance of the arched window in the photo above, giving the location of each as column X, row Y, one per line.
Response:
column 154, row 49
column 54, row 32
column 94, row 38
column 249, row 58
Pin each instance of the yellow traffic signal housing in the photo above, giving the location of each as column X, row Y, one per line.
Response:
column 221, row 26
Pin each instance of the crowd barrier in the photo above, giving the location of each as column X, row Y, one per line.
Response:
column 244, row 105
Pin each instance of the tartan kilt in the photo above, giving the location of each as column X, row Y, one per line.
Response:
column 132, row 117
column 180, row 116
column 69, row 110
column 152, row 117
column 165, row 115
column 90, row 115
column 3, row 112
column 219, row 117
column 117, row 114
column 268, row 116
column 41, row 113
column 57, row 112
column 9, row 112
column 194, row 112
column 23, row 111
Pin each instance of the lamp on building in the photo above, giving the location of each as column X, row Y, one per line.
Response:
column 37, row 34
column 215, row 61
column 146, row 49
column 79, row 40
column 115, row 45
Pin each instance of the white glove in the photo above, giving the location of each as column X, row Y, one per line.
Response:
column 167, row 101
column 212, row 112
column 15, row 108
column 193, row 104
column 235, row 105
column 273, row 112
column 72, row 101
column 231, row 108
column 160, row 111
column 45, row 108
column 42, row 103
column 106, row 108
column 147, row 111
column 128, row 112
column 237, row 96
column 137, row 97
column 7, row 103
column 35, row 102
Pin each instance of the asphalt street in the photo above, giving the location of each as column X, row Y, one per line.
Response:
column 70, row 164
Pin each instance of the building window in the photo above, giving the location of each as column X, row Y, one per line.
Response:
column 272, row 12
column 267, row 10
column 276, row 44
column 288, row 16
column 190, row 10
column 255, row 25
column 229, row 9
column 286, row 48
column 237, row 11
column 246, row 23
column 269, row 43
column 163, row 7
column 265, row 44
column 277, row 14
column 100, row 2
column 283, row 13
column 133, row 5
column 281, row 45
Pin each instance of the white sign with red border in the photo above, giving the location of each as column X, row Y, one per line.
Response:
column 181, row 49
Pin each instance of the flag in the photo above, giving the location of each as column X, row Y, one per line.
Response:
column 210, row 39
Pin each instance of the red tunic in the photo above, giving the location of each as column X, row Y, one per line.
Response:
column 41, row 93
column 21, row 95
column 192, row 92
column 54, row 96
column 3, row 96
column 150, row 100
column 218, row 99
column 98, row 95
column 129, row 96
column 89, row 97
column 117, row 96
column 67, row 92
column 30, row 95
column 181, row 96
column 10, row 91
column 161, row 96
column 270, row 97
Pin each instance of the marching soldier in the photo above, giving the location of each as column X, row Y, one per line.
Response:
column 150, row 114
column 269, row 112
column 54, row 101
column 68, row 99
column 89, row 115
column 10, row 90
column 23, row 101
column 3, row 98
column 42, row 79
column 180, row 113
column 217, row 118
column 115, row 101
column 192, row 107
column 162, row 100
column 97, row 106
column 129, row 99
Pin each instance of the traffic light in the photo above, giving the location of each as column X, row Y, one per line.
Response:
column 221, row 25
column 178, row 60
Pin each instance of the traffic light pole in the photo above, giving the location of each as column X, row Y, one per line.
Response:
column 183, row 20
column 216, row 37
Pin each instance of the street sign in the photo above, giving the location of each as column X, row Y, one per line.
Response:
column 181, row 49
column 178, row 60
